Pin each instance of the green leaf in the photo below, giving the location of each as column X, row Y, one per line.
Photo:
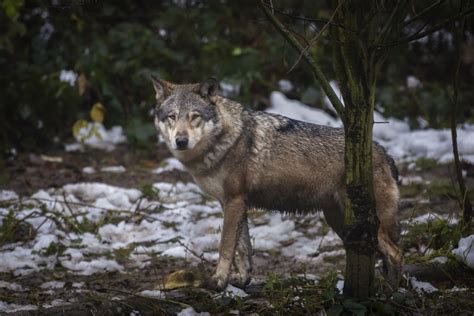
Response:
column 335, row 310
column 355, row 307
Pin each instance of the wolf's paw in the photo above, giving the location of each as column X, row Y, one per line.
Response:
column 239, row 280
column 217, row 282
column 392, row 273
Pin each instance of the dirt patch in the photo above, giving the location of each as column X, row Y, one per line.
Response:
column 30, row 172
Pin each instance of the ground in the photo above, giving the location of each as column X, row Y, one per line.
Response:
column 291, row 256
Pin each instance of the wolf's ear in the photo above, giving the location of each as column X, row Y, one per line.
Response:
column 209, row 88
column 162, row 88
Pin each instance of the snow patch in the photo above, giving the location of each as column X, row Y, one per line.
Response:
column 99, row 265
column 113, row 169
column 296, row 110
column 13, row 308
column 340, row 286
column 170, row 164
column 285, row 85
column 8, row 195
column 52, row 285
column 189, row 311
column 413, row 82
column 88, row 170
column 465, row 251
column 422, row 287
column 233, row 291
column 103, row 195
column 12, row 286
column 95, row 135
column 152, row 293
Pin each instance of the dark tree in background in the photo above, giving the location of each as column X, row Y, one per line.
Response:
column 362, row 34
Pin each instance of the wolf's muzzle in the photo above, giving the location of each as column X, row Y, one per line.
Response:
column 181, row 142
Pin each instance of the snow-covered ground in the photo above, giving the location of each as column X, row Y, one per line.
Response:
column 184, row 214
column 179, row 220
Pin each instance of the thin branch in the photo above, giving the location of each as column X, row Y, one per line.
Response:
column 315, row 39
column 200, row 257
column 151, row 298
column 433, row 29
column 303, row 18
column 388, row 24
column 78, row 226
column 465, row 203
column 423, row 13
column 309, row 59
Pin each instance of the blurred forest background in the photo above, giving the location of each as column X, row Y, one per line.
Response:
column 60, row 57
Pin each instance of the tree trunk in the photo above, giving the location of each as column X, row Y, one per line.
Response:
column 355, row 71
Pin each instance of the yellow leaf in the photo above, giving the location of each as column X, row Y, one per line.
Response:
column 82, row 83
column 182, row 278
column 77, row 127
column 97, row 112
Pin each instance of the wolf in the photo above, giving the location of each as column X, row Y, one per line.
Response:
column 256, row 160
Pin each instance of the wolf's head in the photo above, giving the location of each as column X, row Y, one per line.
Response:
column 186, row 115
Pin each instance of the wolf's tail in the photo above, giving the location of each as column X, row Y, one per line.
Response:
column 391, row 163
column 393, row 168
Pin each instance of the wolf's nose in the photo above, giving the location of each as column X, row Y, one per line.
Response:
column 181, row 142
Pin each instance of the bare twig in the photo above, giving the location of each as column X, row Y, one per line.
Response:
column 80, row 204
column 165, row 300
column 315, row 39
column 465, row 203
column 78, row 226
column 309, row 59
column 303, row 18
column 423, row 12
column 389, row 24
column 431, row 30
column 201, row 256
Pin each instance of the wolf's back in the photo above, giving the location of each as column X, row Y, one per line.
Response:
column 283, row 136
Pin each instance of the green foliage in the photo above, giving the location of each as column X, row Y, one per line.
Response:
column 410, row 190
column 113, row 47
column 149, row 191
column 430, row 102
column 13, row 229
column 437, row 234
column 446, row 189
column 426, row 164
column 139, row 133
column 442, row 189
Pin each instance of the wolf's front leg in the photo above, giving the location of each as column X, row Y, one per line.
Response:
column 243, row 258
column 234, row 212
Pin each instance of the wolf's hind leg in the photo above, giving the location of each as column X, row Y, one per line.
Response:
column 335, row 218
column 243, row 258
column 389, row 232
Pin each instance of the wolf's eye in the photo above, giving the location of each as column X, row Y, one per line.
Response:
column 195, row 116
column 172, row 117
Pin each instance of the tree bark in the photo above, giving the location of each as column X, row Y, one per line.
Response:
column 355, row 71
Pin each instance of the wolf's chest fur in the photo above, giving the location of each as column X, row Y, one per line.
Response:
column 212, row 184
